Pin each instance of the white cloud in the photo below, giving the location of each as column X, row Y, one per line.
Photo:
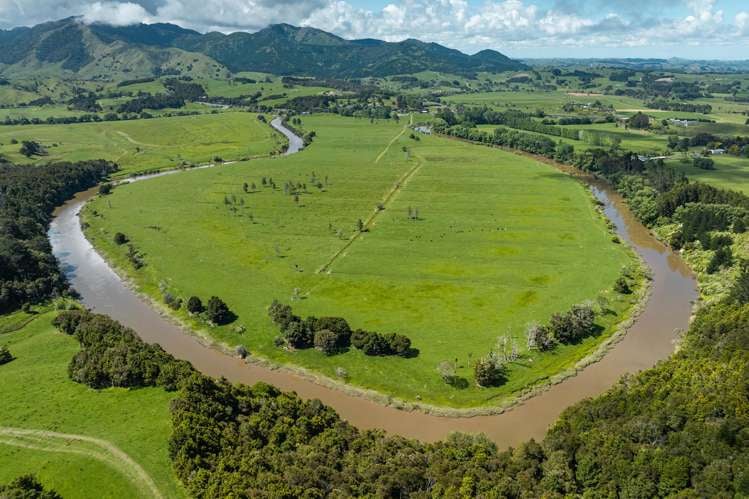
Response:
column 742, row 23
column 115, row 13
column 498, row 24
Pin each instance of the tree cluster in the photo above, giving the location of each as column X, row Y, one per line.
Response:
column 570, row 327
column 333, row 334
column 112, row 355
column 26, row 487
column 28, row 194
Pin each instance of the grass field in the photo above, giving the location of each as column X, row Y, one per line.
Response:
column 641, row 142
column 63, row 431
column 550, row 102
column 501, row 241
column 147, row 144
column 730, row 172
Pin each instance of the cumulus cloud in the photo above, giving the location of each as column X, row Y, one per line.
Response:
column 115, row 13
column 500, row 24
column 742, row 23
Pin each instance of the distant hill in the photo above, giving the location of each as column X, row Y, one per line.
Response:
column 71, row 47
column 100, row 50
column 639, row 64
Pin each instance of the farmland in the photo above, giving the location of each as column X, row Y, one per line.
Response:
column 476, row 252
column 147, row 144
column 38, row 396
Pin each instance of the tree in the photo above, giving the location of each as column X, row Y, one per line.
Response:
column 639, row 121
column 488, row 371
column 105, row 189
column 447, row 371
column 703, row 163
column 399, row 344
column 621, row 286
column 120, row 238
column 723, row 257
column 217, row 311
column 326, row 341
column 31, row 148
column 5, row 355
column 337, row 325
column 194, row 305
column 540, row 337
column 298, row 334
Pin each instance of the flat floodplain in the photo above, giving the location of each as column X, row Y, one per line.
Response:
column 139, row 145
column 500, row 241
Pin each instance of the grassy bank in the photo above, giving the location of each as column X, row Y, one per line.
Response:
column 37, row 395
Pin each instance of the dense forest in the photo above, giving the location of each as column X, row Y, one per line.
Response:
column 681, row 427
column 28, row 194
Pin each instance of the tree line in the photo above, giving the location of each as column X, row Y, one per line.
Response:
column 28, row 194
column 333, row 335
column 678, row 428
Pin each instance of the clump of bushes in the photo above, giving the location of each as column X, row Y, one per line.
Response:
column 489, row 371
column 373, row 343
column 703, row 163
column 113, row 355
column 332, row 335
column 570, row 327
column 214, row 311
column 120, row 239
column 723, row 257
column 27, row 487
column 195, row 305
column 5, row 355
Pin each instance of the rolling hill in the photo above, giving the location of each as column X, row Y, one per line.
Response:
column 103, row 51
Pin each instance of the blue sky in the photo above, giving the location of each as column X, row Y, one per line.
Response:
column 706, row 29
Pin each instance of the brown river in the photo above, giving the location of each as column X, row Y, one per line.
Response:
column 651, row 338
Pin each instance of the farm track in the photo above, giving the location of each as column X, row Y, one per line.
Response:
column 94, row 448
column 386, row 201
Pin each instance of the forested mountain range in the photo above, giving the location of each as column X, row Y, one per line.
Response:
column 101, row 51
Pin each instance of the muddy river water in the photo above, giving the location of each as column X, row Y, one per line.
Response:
column 650, row 339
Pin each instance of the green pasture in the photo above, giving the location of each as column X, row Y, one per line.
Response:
column 36, row 394
column 139, row 145
column 730, row 172
column 550, row 102
column 500, row 241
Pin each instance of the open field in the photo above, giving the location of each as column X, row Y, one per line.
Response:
column 550, row 102
column 730, row 172
column 81, row 442
column 500, row 241
column 641, row 142
column 147, row 144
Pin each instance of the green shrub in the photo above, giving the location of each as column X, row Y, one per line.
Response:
column 120, row 239
column 326, row 341
column 217, row 311
column 5, row 355
column 194, row 305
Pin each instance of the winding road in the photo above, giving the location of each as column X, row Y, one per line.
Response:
column 650, row 339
